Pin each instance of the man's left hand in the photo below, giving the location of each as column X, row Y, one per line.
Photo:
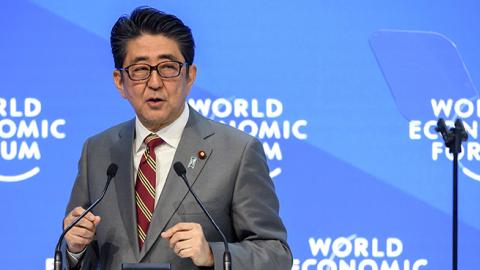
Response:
column 188, row 241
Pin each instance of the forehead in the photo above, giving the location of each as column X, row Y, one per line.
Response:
column 151, row 48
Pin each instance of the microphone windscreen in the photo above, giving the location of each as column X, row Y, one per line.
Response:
column 459, row 124
column 112, row 170
column 179, row 168
column 441, row 123
column 441, row 127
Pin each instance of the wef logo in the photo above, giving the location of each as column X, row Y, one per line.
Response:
column 260, row 118
column 21, row 130
column 466, row 109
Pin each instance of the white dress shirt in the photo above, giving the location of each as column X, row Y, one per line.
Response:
column 165, row 152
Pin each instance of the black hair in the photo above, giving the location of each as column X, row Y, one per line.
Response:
column 147, row 20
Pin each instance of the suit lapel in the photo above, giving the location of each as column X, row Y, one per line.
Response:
column 122, row 156
column 175, row 191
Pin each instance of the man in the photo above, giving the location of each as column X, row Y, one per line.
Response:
column 148, row 215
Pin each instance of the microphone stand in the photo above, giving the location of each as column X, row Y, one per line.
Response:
column 453, row 141
column 182, row 172
column 58, row 259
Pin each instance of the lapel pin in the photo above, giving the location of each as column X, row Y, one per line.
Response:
column 202, row 154
column 192, row 162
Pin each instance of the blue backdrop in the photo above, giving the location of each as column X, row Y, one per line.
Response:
column 342, row 108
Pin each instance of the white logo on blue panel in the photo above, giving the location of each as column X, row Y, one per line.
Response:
column 261, row 119
column 21, row 130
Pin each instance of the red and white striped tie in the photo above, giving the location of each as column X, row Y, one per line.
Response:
column 145, row 187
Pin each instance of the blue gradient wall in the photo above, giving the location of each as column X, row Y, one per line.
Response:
column 344, row 165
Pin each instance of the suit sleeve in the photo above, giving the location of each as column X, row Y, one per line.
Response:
column 261, row 233
column 80, row 197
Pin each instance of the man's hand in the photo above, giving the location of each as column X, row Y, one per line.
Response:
column 188, row 241
column 82, row 233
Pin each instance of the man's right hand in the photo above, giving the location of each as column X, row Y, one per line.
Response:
column 83, row 232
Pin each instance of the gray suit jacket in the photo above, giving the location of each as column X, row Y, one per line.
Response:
column 233, row 181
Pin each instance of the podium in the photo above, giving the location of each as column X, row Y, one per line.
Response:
column 146, row 266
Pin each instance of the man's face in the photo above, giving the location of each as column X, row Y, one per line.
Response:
column 157, row 101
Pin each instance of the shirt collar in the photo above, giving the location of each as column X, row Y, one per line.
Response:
column 171, row 134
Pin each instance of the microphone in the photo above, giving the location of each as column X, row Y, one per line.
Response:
column 111, row 172
column 461, row 129
column 182, row 172
column 454, row 137
column 442, row 128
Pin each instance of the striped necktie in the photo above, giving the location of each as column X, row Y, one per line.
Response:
column 145, row 187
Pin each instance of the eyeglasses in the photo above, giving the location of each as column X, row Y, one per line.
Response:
column 166, row 69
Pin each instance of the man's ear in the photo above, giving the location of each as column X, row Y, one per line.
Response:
column 118, row 80
column 192, row 75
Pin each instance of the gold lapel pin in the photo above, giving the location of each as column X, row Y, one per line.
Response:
column 202, row 154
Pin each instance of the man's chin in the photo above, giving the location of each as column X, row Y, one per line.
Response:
column 154, row 123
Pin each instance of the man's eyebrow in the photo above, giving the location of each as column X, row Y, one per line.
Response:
column 160, row 57
column 167, row 56
column 138, row 59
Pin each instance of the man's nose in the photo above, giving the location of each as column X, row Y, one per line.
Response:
column 155, row 81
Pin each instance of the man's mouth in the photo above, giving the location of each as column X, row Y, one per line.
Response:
column 154, row 100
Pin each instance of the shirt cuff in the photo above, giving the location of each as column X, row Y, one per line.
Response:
column 73, row 258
